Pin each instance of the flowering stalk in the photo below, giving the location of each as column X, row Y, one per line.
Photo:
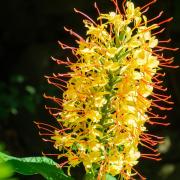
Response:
column 111, row 93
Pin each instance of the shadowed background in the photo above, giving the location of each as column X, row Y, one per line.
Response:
column 29, row 31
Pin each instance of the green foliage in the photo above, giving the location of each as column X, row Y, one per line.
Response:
column 35, row 165
column 15, row 95
column 6, row 170
column 109, row 177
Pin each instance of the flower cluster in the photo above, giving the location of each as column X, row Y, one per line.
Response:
column 110, row 94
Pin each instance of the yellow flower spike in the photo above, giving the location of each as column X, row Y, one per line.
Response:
column 111, row 93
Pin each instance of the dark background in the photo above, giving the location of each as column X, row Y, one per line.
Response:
column 29, row 31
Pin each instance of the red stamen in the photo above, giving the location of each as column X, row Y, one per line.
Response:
column 154, row 155
column 165, row 41
column 160, row 107
column 165, row 21
column 150, row 141
column 58, row 61
column 43, row 128
column 65, row 46
column 144, row 145
column 167, row 48
column 157, row 73
column 60, row 86
column 57, row 100
column 156, row 80
column 160, row 14
column 46, row 134
column 151, row 135
column 173, row 67
column 145, row 10
column 158, row 50
column 54, row 77
column 162, row 30
column 86, row 16
column 158, row 117
column 99, row 13
column 155, row 86
column 51, row 109
column 47, row 154
column 159, row 56
column 74, row 34
column 166, row 62
column 116, row 6
column 158, row 123
column 159, row 88
column 162, row 99
column 166, row 59
column 141, row 177
column 123, row 5
column 149, row 28
column 148, row 157
column 44, row 124
column 64, row 75
column 48, row 140
column 64, row 163
column 147, row 5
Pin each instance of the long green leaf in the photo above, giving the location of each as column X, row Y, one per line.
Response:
column 35, row 165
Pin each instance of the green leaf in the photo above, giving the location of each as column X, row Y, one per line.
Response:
column 89, row 176
column 6, row 171
column 35, row 165
column 109, row 177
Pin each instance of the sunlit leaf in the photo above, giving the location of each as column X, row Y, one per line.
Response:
column 35, row 165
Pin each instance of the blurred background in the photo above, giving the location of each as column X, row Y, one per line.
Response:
column 29, row 31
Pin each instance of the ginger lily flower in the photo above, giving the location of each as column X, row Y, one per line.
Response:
column 111, row 92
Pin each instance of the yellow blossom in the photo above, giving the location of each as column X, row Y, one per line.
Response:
column 109, row 93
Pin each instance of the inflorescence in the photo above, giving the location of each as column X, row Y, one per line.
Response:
column 111, row 93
